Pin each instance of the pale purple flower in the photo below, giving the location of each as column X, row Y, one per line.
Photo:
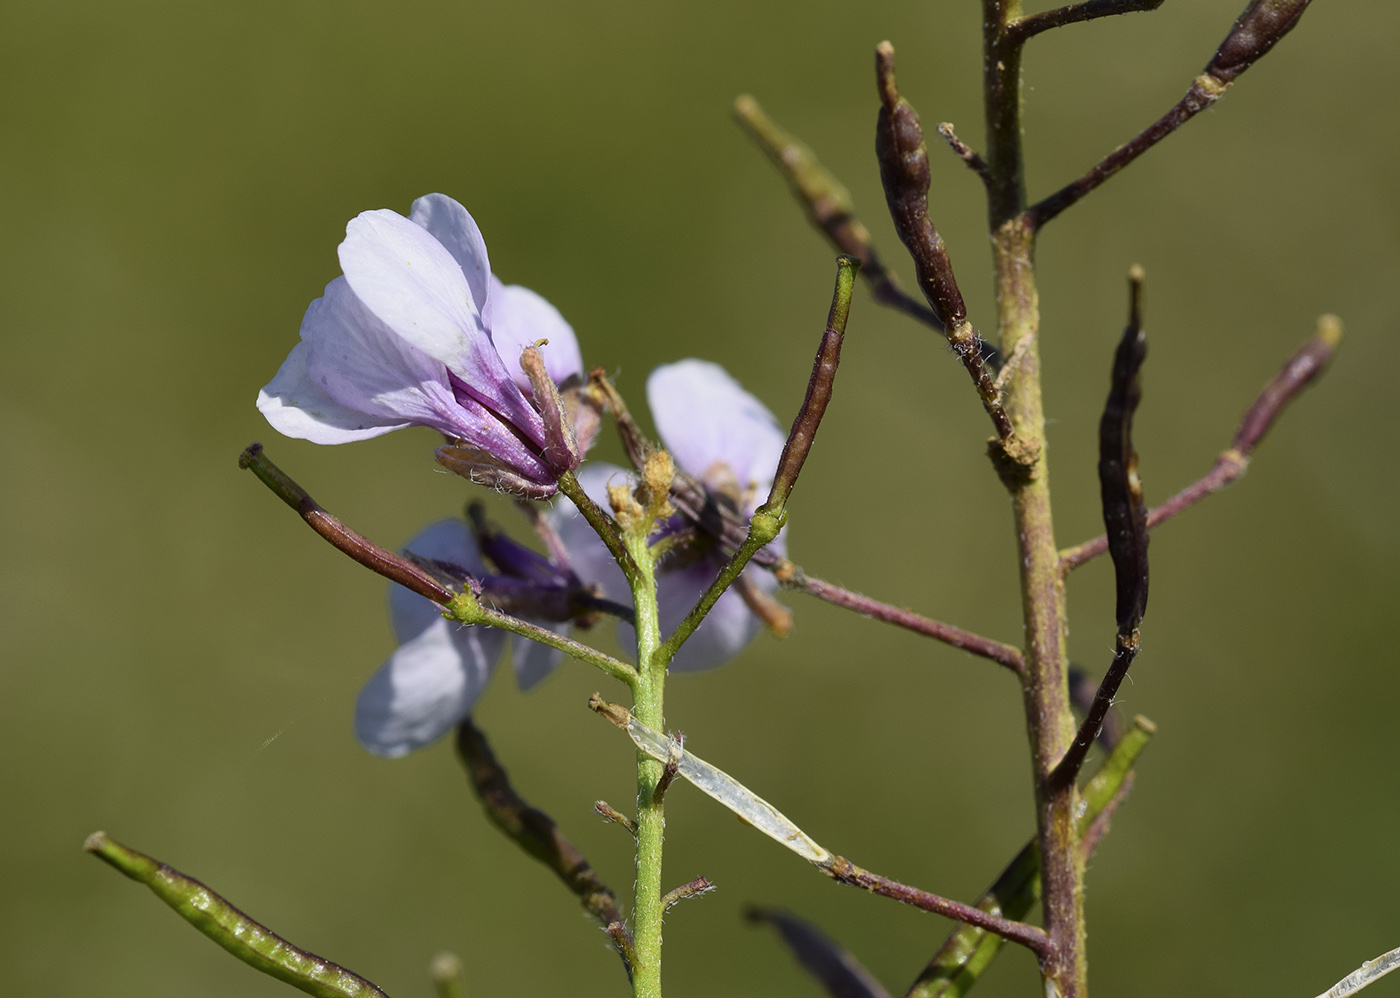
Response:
column 419, row 332
column 434, row 678
column 721, row 434
column 716, row 431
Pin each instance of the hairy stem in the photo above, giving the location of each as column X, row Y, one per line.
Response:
column 1049, row 719
column 648, row 905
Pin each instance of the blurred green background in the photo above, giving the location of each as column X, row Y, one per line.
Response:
column 180, row 655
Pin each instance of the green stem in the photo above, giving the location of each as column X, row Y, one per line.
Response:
column 648, row 908
column 465, row 608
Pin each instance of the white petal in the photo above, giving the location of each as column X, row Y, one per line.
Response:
column 408, row 279
column 532, row 660
column 359, row 363
column 519, row 318
column 705, row 417
column 411, row 282
column 426, row 687
column 452, row 225
column 297, row 408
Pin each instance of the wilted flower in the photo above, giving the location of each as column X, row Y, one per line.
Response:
column 729, row 440
column 441, row 667
column 419, row 332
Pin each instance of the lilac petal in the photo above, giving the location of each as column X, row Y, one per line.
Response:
column 297, row 408
column 355, row 360
column 705, row 418
column 411, row 282
column 428, row 685
column 452, row 225
column 520, row 318
column 534, row 661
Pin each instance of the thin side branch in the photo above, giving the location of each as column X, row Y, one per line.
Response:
column 843, row 871
column 1301, row 370
column 1068, row 767
column 467, row 608
column 828, row 205
column 372, row 556
column 965, row 152
column 1033, row 24
column 531, row 829
column 793, row 577
column 1255, row 32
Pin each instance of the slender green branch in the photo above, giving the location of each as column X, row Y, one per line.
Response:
column 252, row 943
column 465, row 608
column 603, row 524
column 762, row 529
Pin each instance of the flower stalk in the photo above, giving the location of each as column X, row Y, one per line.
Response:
column 648, row 699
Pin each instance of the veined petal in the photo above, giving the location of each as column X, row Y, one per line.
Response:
column 705, row 417
column 453, row 226
column 534, row 661
column 428, row 685
column 358, row 362
column 297, row 408
column 412, row 283
column 520, row 318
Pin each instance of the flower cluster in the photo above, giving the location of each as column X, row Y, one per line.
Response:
column 717, row 432
column 419, row 332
